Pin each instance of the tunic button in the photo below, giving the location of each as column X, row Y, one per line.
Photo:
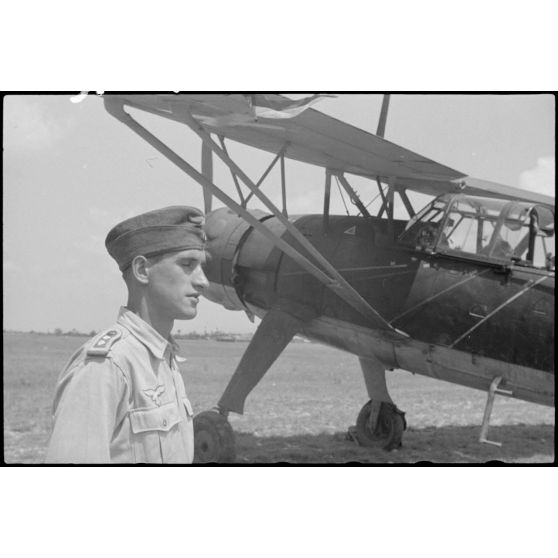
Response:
column 165, row 422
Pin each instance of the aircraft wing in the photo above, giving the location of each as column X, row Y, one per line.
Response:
column 268, row 122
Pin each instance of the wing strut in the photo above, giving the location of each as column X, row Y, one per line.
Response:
column 390, row 206
column 327, row 275
column 235, row 178
column 283, row 186
column 388, row 202
column 327, row 197
column 406, row 202
column 384, row 200
column 381, row 131
column 207, row 171
column 266, row 172
column 354, row 196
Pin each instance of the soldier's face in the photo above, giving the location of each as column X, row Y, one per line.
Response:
column 175, row 283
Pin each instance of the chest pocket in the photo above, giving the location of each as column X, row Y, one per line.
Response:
column 156, row 436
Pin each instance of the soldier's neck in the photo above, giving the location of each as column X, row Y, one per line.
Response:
column 160, row 324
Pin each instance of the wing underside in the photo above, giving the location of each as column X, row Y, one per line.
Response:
column 315, row 138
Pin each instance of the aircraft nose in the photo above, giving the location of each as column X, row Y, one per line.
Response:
column 224, row 230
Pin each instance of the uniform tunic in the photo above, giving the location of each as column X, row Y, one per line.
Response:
column 121, row 399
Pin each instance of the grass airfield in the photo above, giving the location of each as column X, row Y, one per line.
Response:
column 300, row 411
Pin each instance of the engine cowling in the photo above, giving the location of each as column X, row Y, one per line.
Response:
column 236, row 252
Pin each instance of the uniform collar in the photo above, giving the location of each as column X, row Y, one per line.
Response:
column 146, row 334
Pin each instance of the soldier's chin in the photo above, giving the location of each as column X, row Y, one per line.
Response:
column 188, row 314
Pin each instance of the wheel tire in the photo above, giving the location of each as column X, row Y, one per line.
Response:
column 389, row 428
column 213, row 438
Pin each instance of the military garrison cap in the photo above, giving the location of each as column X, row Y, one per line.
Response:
column 169, row 229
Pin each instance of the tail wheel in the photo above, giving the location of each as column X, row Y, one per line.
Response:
column 213, row 438
column 387, row 431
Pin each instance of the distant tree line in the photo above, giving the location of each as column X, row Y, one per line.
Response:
column 191, row 335
column 215, row 334
column 58, row 332
column 73, row 333
column 194, row 335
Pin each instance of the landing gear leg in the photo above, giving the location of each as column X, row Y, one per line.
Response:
column 213, row 435
column 380, row 423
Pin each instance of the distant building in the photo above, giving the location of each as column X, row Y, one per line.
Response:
column 226, row 338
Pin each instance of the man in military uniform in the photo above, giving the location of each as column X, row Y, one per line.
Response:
column 121, row 398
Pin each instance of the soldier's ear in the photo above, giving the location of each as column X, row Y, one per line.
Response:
column 139, row 269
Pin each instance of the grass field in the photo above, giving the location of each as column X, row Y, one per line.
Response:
column 299, row 413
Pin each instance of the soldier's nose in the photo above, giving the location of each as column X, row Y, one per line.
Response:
column 201, row 281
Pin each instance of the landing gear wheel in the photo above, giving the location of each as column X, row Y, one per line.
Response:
column 387, row 432
column 213, row 438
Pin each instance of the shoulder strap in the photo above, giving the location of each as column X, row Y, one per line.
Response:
column 104, row 342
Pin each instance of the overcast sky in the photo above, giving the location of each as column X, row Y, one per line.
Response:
column 71, row 172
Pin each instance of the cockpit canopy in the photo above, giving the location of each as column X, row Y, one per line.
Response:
column 484, row 229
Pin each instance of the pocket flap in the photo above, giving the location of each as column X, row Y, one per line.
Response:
column 188, row 406
column 159, row 418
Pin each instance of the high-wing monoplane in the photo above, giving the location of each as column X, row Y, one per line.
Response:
column 461, row 291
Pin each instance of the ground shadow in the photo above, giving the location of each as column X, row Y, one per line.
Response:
column 448, row 444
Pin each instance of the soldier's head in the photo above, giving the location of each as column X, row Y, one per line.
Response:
column 161, row 254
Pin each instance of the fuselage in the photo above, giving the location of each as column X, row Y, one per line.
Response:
column 467, row 321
